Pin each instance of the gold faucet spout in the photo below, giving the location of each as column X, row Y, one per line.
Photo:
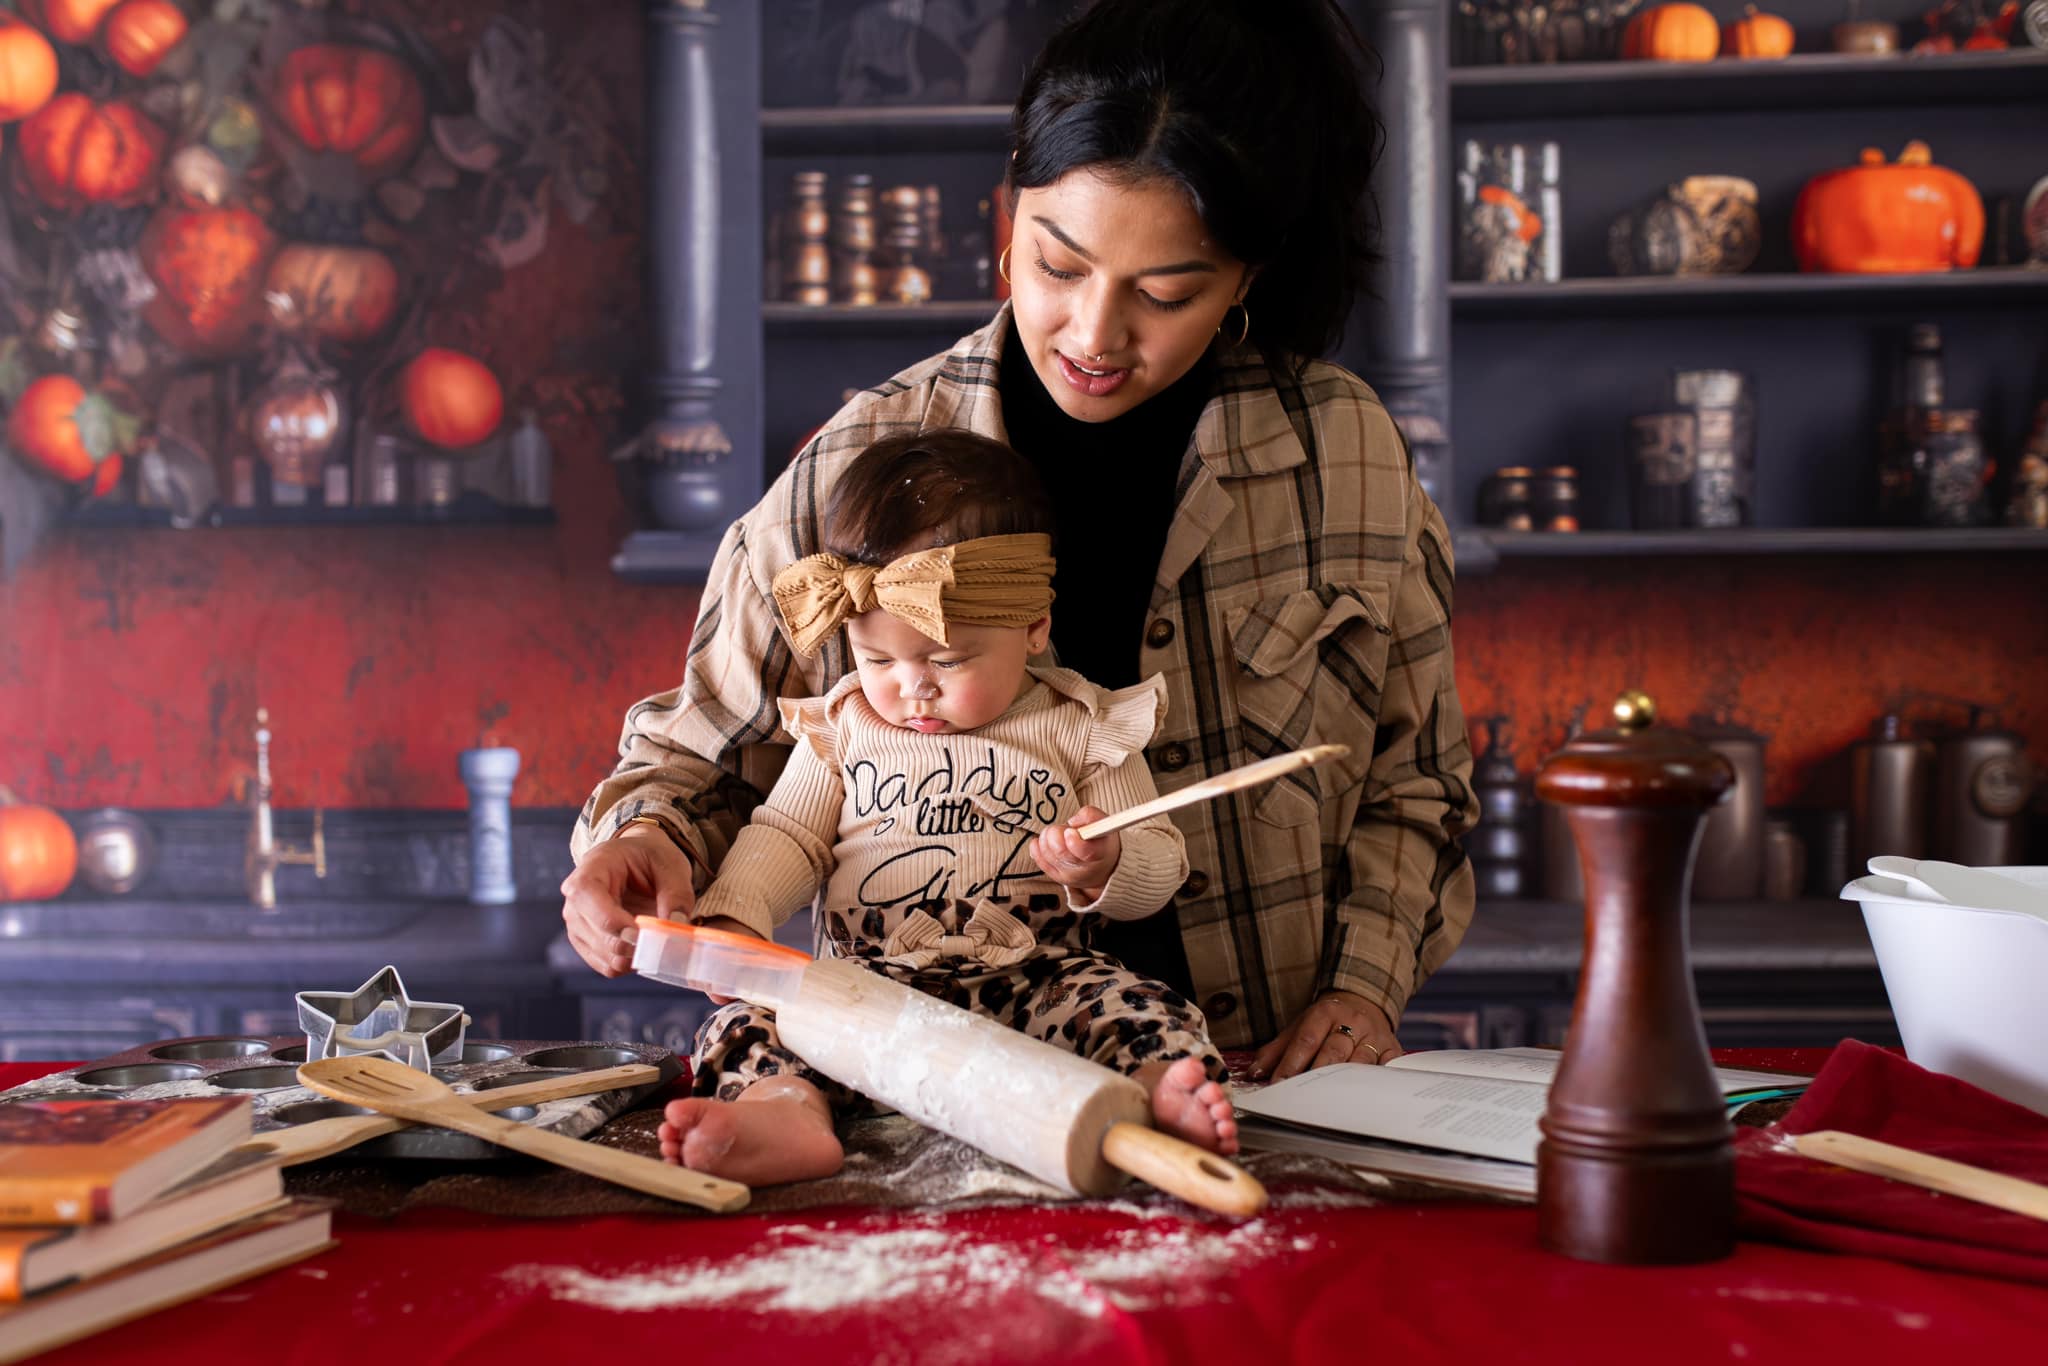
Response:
column 264, row 855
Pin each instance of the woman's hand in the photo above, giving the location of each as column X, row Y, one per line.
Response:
column 1082, row 866
column 1339, row 1027
column 640, row 872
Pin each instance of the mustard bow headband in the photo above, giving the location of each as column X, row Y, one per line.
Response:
column 988, row 581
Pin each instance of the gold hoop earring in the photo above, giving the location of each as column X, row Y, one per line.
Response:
column 1003, row 263
column 1244, row 331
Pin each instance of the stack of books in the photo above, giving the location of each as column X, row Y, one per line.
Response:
column 112, row 1209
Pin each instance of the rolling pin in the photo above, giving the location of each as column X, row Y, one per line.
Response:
column 1071, row 1123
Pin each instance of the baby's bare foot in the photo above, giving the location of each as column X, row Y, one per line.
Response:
column 1186, row 1104
column 757, row 1143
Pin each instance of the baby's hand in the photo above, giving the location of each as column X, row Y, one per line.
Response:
column 1082, row 865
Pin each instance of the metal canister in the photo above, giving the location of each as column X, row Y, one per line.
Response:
column 1496, row 844
column 1982, row 781
column 1554, row 499
column 1504, row 499
column 1890, row 779
column 1730, row 862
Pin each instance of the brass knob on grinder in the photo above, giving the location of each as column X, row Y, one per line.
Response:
column 1637, row 1161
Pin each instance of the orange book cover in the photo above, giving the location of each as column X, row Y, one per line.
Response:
column 87, row 1161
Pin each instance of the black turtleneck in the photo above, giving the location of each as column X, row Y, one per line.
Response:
column 1112, row 495
column 1112, row 489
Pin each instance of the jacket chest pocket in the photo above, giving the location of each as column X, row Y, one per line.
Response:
column 1309, row 668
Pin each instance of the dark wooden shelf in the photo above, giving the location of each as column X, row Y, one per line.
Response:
column 1480, row 550
column 900, row 129
column 469, row 510
column 1563, row 89
column 668, row 557
column 1991, row 287
column 951, row 316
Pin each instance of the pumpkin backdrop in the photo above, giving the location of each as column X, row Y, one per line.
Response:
column 213, row 202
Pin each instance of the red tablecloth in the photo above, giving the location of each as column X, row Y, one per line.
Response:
column 1403, row 1284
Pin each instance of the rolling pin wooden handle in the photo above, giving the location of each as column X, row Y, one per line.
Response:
column 1180, row 1168
column 1919, row 1169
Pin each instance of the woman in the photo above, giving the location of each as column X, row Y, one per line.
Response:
column 1189, row 180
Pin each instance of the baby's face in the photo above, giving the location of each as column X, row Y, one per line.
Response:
column 914, row 682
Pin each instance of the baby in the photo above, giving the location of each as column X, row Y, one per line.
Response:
column 933, row 795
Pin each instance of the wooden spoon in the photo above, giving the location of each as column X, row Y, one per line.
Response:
column 392, row 1088
column 1218, row 785
column 326, row 1137
column 1920, row 1169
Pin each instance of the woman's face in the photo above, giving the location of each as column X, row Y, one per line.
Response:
column 1117, row 288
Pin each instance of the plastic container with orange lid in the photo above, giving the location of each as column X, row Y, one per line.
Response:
column 718, row 961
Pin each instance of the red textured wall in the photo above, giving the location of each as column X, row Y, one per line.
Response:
column 130, row 663
column 1804, row 652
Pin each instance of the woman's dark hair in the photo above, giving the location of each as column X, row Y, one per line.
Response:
column 926, row 489
column 1256, row 108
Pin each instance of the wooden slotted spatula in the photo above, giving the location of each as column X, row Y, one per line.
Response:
column 395, row 1089
column 326, row 1137
column 1217, row 785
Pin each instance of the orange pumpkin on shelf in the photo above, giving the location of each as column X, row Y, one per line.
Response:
column 1880, row 219
column 28, row 69
column 75, row 152
column 56, row 424
column 208, row 265
column 1757, row 34
column 451, row 399
column 38, row 852
column 362, row 102
column 343, row 294
column 141, row 33
column 1672, row 33
column 75, row 21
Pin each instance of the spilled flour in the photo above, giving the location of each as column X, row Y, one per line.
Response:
column 820, row 1270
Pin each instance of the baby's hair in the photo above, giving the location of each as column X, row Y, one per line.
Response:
column 928, row 489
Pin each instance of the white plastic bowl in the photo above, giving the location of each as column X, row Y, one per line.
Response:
column 1969, row 986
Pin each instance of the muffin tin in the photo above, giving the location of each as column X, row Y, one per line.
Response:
column 266, row 1070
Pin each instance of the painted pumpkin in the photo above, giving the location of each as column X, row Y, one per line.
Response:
column 1757, row 34
column 141, row 33
column 28, row 69
column 75, row 152
column 451, row 399
column 75, row 21
column 362, row 102
column 344, row 294
column 1672, row 33
column 38, row 852
column 208, row 264
column 1878, row 218
column 56, row 425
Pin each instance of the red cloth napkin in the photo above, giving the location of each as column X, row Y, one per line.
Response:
column 1876, row 1093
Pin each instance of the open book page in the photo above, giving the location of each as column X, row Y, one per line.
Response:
column 1540, row 1065
column 1486, row 1116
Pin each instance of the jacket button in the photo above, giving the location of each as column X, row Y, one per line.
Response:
column 1159, row 634
column 1197, row 883
column 1174, row 757
column 1220, row 1006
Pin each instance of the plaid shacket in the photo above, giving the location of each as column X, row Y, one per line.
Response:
column 1304, row 596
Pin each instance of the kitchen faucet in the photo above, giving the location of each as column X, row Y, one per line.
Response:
column 265, row 855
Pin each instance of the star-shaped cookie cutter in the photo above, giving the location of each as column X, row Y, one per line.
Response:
column 379, row 1017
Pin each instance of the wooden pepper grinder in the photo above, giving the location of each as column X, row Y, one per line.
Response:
column 1637, row 1163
